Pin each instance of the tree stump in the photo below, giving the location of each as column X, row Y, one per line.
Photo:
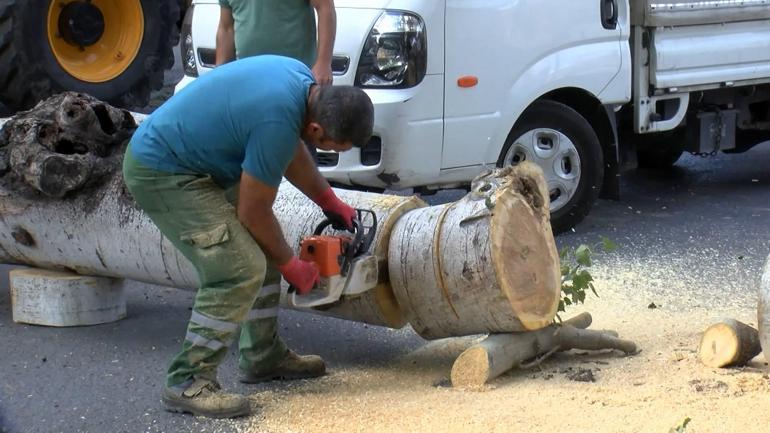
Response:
column 728, row 343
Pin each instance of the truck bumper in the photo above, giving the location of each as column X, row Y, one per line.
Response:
column 408, row 127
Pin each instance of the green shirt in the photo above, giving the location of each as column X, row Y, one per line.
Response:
column 283, row 27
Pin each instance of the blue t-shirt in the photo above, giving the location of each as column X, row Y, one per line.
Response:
column 243, row 116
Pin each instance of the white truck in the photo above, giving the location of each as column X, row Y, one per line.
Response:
column 584, row 88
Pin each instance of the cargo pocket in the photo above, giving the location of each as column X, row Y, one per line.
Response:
column 217, row 254
column 208, row 237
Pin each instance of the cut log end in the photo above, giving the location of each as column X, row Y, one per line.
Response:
column 728, row 343
column 471, row 369
column 524, row 252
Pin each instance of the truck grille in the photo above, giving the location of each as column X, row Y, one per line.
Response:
column 327, row 159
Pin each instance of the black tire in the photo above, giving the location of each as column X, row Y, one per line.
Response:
column 660, row 150
column 30, row 72
column 559, row 117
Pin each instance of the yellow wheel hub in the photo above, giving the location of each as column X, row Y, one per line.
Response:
column 95, row 40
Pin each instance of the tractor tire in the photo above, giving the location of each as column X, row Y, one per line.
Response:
column 118, row 54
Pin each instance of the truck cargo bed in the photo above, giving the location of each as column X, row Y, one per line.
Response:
column 726, row 54
column 660, row 13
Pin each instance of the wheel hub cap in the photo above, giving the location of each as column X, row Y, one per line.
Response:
column 95, row 41
column 556, row 155
column 81, row 23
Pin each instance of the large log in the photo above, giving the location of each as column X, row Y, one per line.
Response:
column 763, row 311
column 491, row 262
column 104, row 234
column 484, row 264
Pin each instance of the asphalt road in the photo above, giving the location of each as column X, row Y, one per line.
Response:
column 107, row 378
column 703, row 217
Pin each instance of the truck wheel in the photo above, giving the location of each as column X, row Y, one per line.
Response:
column 660, row 150
column 114, row 50
column 565, row 146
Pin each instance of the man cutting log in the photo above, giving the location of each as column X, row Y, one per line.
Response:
column 205, row 167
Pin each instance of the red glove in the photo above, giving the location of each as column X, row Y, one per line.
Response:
column 336, row 210
column 300, row 274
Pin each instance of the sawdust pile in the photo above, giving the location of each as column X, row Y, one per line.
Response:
column 574, row 392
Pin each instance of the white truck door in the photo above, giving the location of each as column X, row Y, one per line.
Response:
column 550, row 44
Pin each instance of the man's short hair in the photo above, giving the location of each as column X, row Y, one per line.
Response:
column 345, row 113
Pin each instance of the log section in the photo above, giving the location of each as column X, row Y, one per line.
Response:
column 499, row 353
column 728, row 343
column 484, row 264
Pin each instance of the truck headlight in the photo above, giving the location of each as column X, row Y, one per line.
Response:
column 186, row 46
column 395, row 54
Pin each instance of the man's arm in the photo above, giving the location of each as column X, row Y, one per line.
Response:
column 225, row 36
column 303, row 174
column 327, row 29
column 255, row 211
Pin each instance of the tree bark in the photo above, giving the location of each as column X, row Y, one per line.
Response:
column 728, row 343
column 499, row 353
column 103, row 234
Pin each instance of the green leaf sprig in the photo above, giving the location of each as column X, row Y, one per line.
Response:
column 576, row 280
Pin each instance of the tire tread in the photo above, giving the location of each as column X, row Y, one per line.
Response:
column 25, row 82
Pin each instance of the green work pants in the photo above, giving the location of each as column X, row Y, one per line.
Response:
column 237, row 285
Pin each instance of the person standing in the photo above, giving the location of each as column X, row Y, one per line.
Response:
column 283, row 27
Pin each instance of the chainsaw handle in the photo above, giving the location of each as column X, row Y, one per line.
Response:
column 358, row 228
column 362, row 239
column 368, row 237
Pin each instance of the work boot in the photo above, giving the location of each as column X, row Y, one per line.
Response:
column 292, row 366
column 204, row 398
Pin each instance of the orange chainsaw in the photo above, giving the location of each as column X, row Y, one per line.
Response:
column 344, row 262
